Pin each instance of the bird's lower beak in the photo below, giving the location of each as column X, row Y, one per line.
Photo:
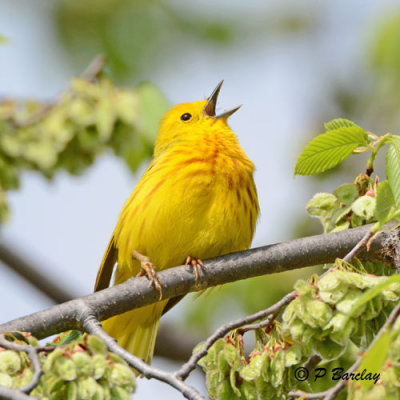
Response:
column 209, row 108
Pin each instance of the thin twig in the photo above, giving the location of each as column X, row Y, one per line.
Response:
column 92, row 325
column 90, row 73
column 361, row 244
column 94, row 68
column 14, row 394
column 190, row 365
column 10, row 256
column 260, row 325
column 312, row 362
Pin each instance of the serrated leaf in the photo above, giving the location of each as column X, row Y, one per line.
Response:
column 329, row 149
column 338, row 123
column 393, row 168
column 384, row 202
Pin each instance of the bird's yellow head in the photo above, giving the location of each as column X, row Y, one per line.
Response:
column 191, row 119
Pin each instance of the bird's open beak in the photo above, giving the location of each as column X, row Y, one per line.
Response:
column 209, row 108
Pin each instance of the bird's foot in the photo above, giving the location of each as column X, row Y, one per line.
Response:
column 148, row 269
column 197, row 265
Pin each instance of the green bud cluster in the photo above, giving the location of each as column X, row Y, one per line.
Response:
column 349, row 206
column 87, row 119
column 82, row 369
column 322, row 320
column 261, row 375
column 15, row 367
column 325, row 316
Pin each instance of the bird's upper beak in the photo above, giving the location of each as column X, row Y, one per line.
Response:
column 209, row 108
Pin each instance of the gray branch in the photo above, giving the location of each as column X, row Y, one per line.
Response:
column 136, row 292
column 86, row 312
column 169, row 343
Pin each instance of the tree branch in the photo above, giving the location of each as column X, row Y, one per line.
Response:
column 90, row 73
column 177, row 281
column 14, row 394
column 25, row 268
column 174, row 345
column 92, row 325
column 168, row 343
column 190, row 365
column 86, row 312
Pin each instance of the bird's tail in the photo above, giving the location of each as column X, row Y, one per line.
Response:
column 136, row 330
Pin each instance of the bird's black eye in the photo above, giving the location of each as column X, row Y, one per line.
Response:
column 186, row 117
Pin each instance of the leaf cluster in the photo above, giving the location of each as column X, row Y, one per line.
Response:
column 89, row 118
column 364, row 200
column 78, row 367
column 323, row 320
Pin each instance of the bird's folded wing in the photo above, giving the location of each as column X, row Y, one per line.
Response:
column 107, row 266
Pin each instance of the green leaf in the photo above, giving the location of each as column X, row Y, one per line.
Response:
column 393, row 168
column 375, row 357
column 358, row 306
column 384, row 202
column 364, row 207
column 328, row 349
column 10, row 362
column 66, row 337
column 346, row 194
column 152, row 106
column 338, row 123
column 253, row 370
column 322, row 205
column 329, row 149
column 293, row 355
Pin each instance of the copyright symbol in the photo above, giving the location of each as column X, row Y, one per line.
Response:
column 301, row 374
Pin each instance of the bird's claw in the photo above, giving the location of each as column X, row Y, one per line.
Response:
column 196, row 264
column 148, row 269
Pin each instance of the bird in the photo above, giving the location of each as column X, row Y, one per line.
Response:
column 196, row 200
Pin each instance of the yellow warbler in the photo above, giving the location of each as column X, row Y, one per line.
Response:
column 197, row 198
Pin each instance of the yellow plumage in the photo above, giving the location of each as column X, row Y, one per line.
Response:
column 197, row 198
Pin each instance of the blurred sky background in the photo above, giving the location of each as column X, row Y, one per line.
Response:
column 293, row 65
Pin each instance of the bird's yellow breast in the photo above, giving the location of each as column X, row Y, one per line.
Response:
column 197, row 198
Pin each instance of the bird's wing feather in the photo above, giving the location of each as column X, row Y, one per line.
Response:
column 107, row 266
